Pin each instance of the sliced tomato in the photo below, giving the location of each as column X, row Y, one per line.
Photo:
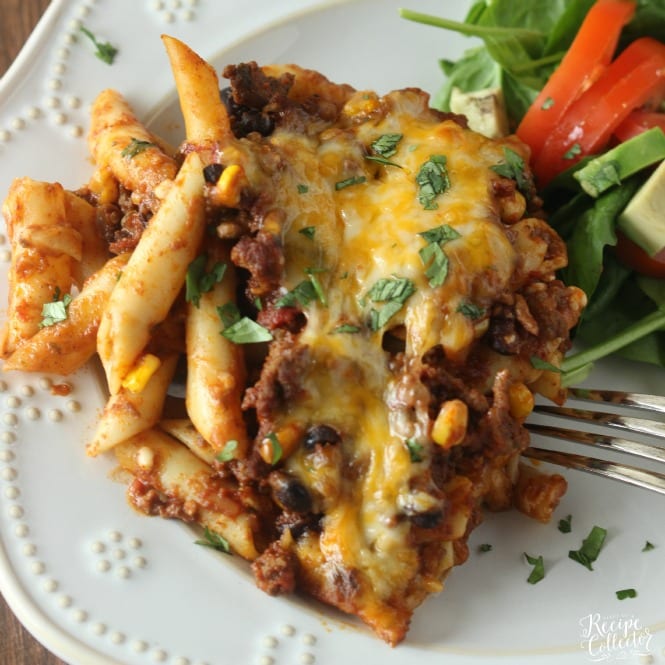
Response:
column 633, row 256
column 635, row 78
column 637, row 122
column 587, row 58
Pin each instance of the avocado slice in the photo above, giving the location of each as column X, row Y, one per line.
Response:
column 643, row 219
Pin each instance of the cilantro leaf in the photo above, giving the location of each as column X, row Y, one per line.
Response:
column 415, row 449
column 622, row 594
column 564, row 524
column 347, row 182
column 386, row 144
column 241, row 329
column 276, row 447
column 106, row 52
column 228, row 452
column 471, row 310
column 514, row 168
column 648, row 546
column 55, row 311
column 485, row 547
column 590, row 549
column 432, row 179
column 135, row 147
column 539, row 363
column 214, row 541
column 199, row 281
column 433, row 256
column 538, row 571
column 393, row 292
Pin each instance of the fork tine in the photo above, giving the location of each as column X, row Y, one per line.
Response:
column 613, row 420
column 628, row 474
column 636, row 400
column 613, row 443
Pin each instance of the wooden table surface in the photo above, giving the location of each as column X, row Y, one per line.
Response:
column 17, row 646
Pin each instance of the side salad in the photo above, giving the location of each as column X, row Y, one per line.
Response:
column 583, row 83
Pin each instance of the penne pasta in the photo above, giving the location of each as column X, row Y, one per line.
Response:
column 215, row 367
column 187, row 484
column 184, row 431
column 128, row 413
column 154, row 274
column 64, row 347
column 197, row 84
column 45, row 250
column 121, row 144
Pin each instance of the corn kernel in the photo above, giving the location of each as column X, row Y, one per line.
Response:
column 280, row 444
column 449, row 428
column 229, row 185
column 104, row 185
column 520, row 400
column 137, row 378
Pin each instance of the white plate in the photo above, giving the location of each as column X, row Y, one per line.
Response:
column 99, row 584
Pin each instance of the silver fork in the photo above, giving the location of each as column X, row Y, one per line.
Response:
column 650, row 430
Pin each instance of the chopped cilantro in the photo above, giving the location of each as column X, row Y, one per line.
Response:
column 386, row 144
column 538, row 571
column 199, row 281
column 135, row 147
column 353, row 180
column 304, row 292
column 382, row 160
column 276, row 448
column 228, row 452
column 308, row 231
column 415, row 449
column 347, row 328
column 433, row 256
column 622, row 594
column 485, row 547
column 241, row 329
column 514, row 169
column 471, row 310
column 106, row 52
column 432, row 180
column 590, row 549
column 565, row 524
column 393, row 292
column 214, row 541
column 303, row 189
column 547, row 104
column 648, row 546
column 55, row 311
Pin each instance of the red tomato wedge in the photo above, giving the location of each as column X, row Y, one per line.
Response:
column 638, row 122
column 636, row 77
column 589, row 54
column 633, row 256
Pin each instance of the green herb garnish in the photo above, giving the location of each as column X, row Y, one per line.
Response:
column 485, row 547
column 573, row 151
column 471, row 311
column 308, row 231
column 648, row 546
column 346, row 328
column 55, row 311
column 214, row 541
column 432, row 180
column 303, row 189
column 622, row 594
column 228, row 452
column 590, row 549
column 565, row 524
column 433, row 256
column 135, row 147
column 386, row 144
column 276, row 448
column 538, row 571
column 105, row 51
column 241, row 329
column 514, row 168
column 348, row 182
column 199, row 281
column 393, row 292
column 416, row 450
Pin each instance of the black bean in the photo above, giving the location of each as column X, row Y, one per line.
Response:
column 289, row 493
column 323, row 434
column 212, row 172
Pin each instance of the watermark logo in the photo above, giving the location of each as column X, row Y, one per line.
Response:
column 613, row 637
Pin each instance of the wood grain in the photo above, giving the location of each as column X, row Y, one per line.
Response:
column 17, row 646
